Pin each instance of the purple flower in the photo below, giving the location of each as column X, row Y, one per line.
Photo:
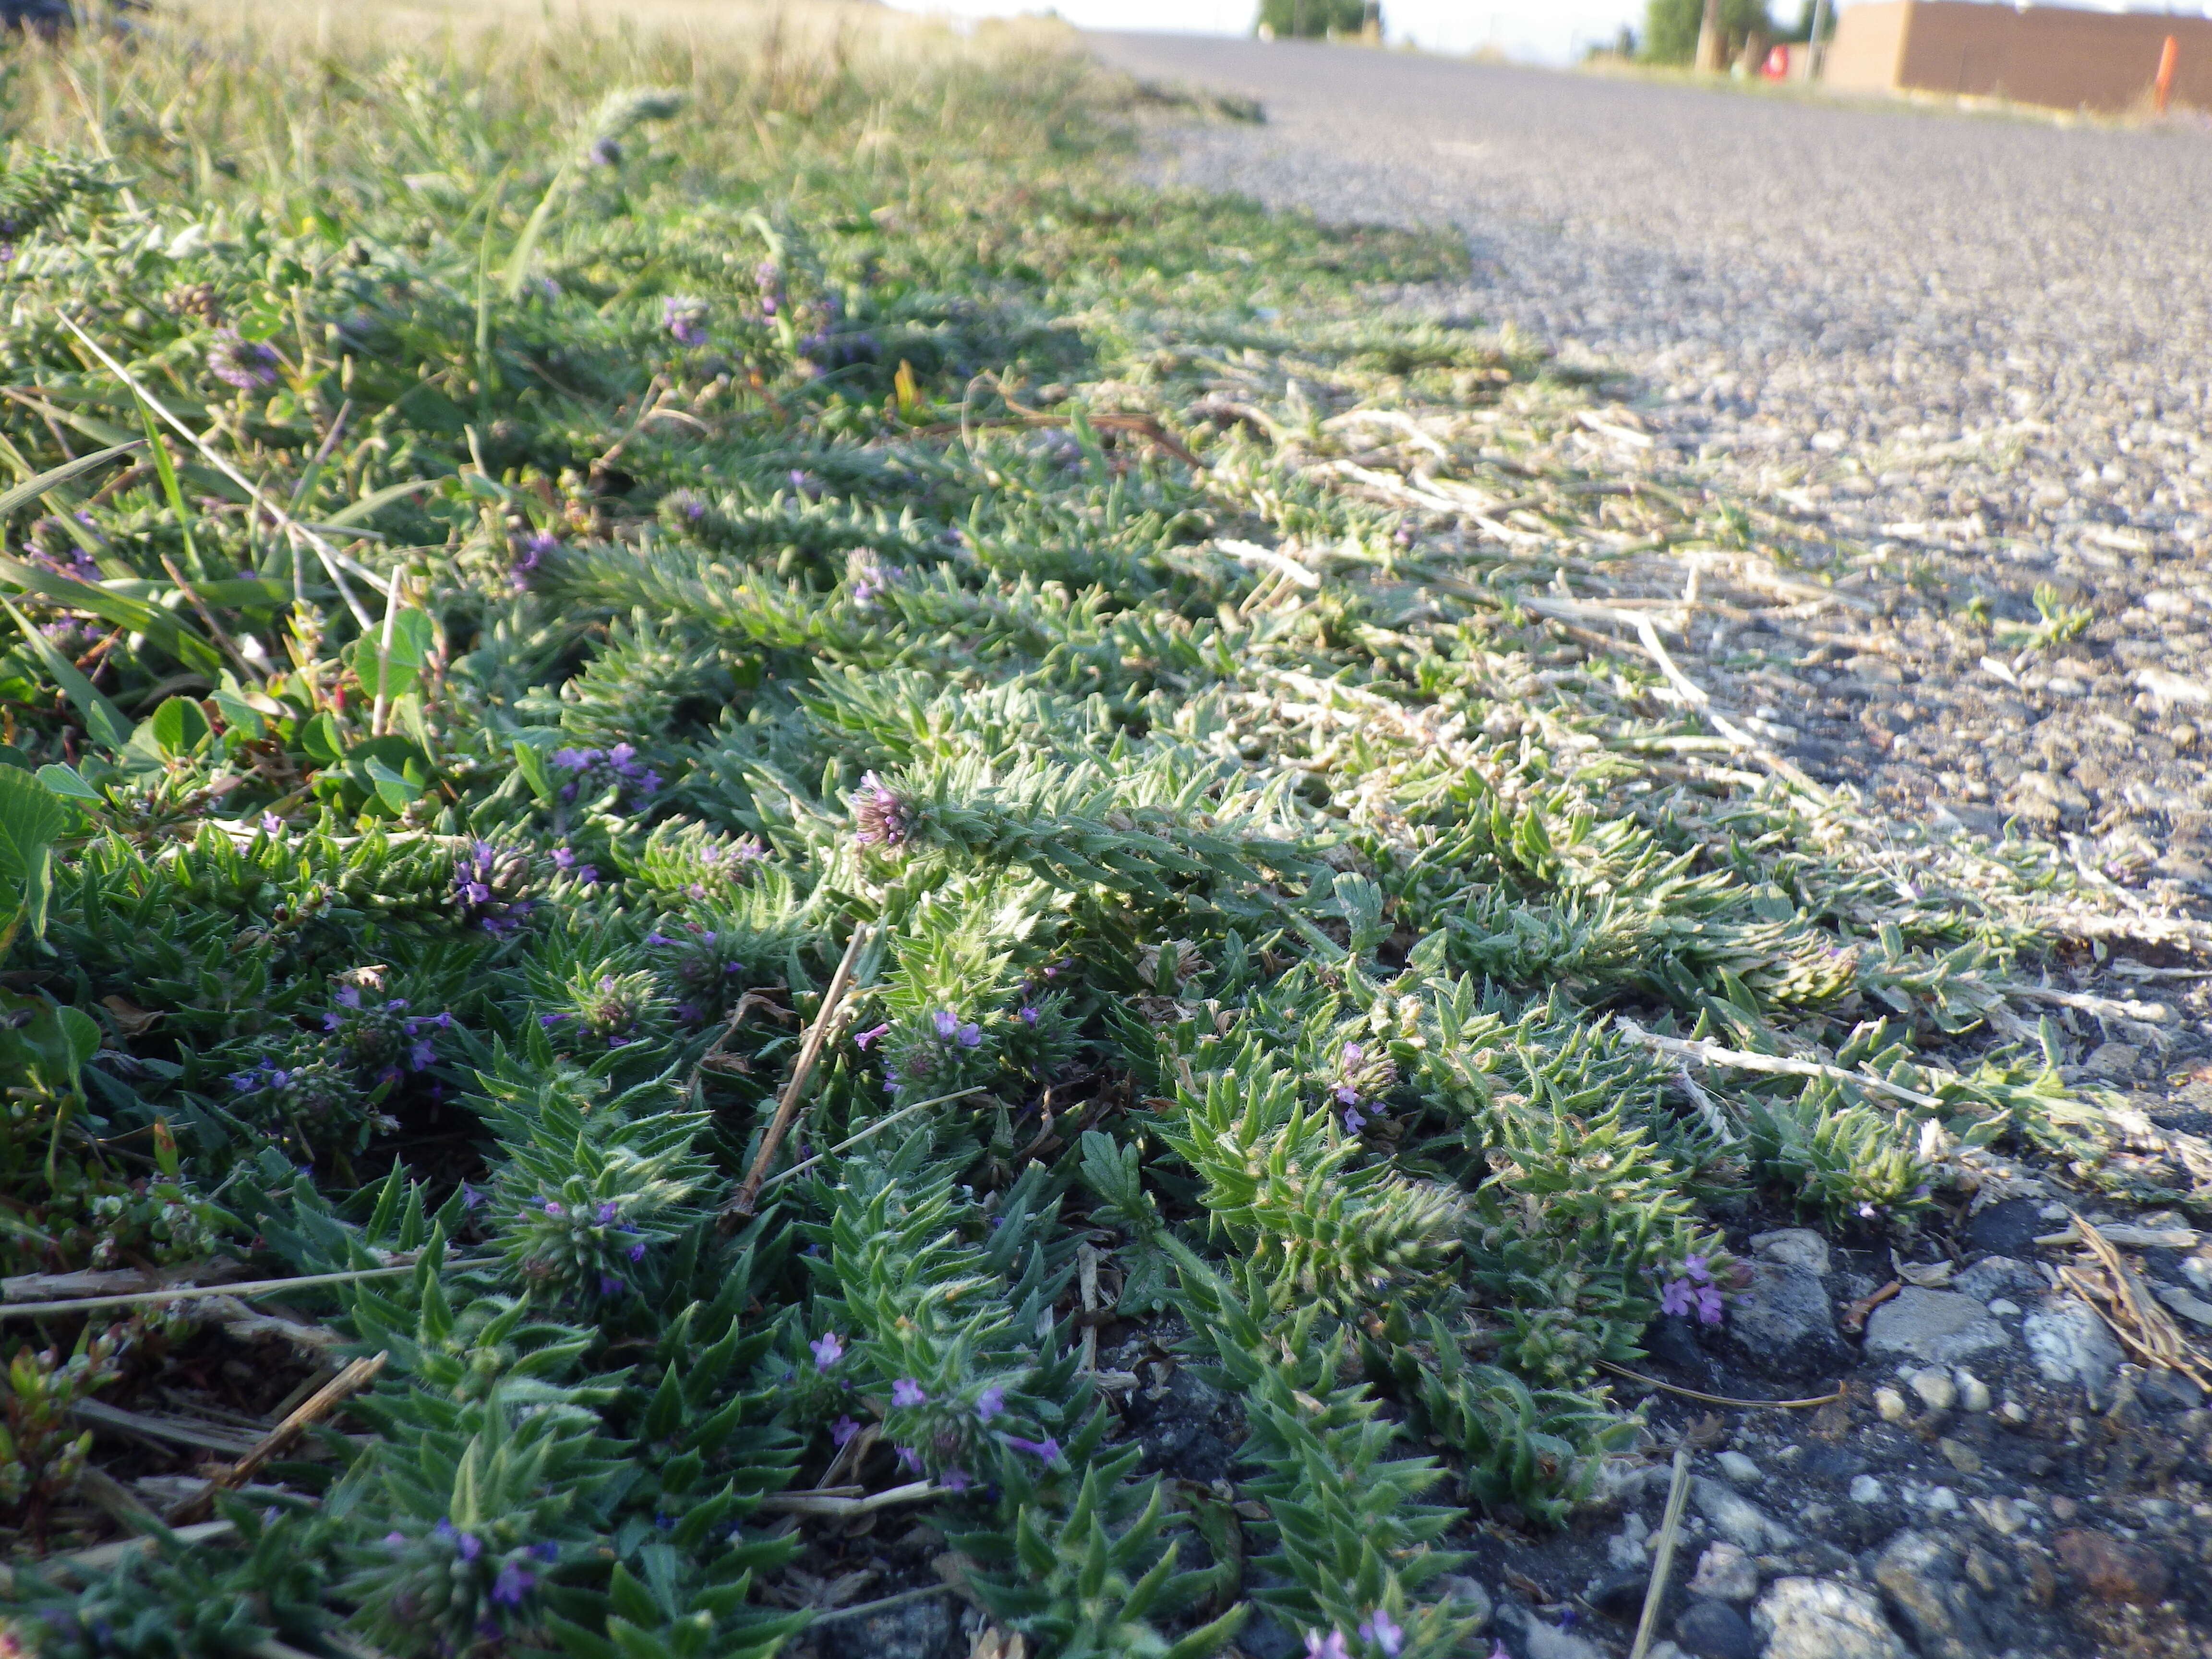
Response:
column 248, row 365
column 609, row 1285
column 908, row 1392
column 576, row 760
column 862, row 1039
column 1354, row 1120
column 1029, row 1016
column 909, row 1459
column 348, row 996
column 685, row 319
column 420, row 1055
column 990, row 1403
column 1674, row 1296
column 445, row 1530
column 1330, row 1646
column 1695, row 1268
column 546, row 1550
column 1354, row 1056
column 1346, row 1094
column 947, row 1022
column 514, row 1581
column 1046, row 1450
column 828, row 1350
column 968, row 1036
column 469, row 1544
column 606, row 1211
column 880, row 818
column 271, row 824
column 842, row 1431
column 1379, row 1628
column 397, row 1540
column 469, row 1196
column 955, row 1480
column 553, row 1209
column 530, row 553
column 636, row 1252
column 1709, row 1304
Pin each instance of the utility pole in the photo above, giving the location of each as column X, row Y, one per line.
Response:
column 1815, row 48
column 1712, row 45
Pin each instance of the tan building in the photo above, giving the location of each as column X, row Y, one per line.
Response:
column 2055, row 55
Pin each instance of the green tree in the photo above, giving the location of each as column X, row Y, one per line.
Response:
column 1288, row 18
column 1670, row 26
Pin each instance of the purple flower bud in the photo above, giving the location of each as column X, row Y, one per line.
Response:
column 1046, row 1450
column 990, row 1403
column 609, row 1285
column 469, row 1544
column 514, row 1581
column 862, row 1039
column 469, row 1196
column 553, row 1209
column 607, row 1212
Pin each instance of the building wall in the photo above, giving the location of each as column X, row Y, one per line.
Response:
column 2054, row 56
column 1868, row 46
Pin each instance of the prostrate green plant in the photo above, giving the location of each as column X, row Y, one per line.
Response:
column 511, row 573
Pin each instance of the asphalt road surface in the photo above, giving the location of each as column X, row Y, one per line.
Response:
column 1979, row 342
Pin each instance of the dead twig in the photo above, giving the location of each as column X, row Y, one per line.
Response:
column 1855, row 1317
column 838, row 1506
column 1719, row 1399
column 810, row 1050
column 318, row 1406
column 1662, row 1565
column 1711, row 1054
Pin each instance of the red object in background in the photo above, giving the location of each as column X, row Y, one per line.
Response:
column 2163, row 87
column 1777, row 66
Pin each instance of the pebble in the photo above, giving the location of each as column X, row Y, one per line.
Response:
column 1820, row 1618
column 2112, row 1568
column 1960, row 1455
column 1891, row 1404
column 1942, row 1500
column 1740, row 1469
column 1919, row 1574
column 1994, row 1274
column 2070, row 1345
column 2001, row 1515
column 1737, row 1519
column 1714, row 1630
column 1725, row 1573
column 2014, row 1412
column 1867, row 1490
column 1939, row 1327
column 2003, row 1307
column 1973, row 1393
column 1936, row 1389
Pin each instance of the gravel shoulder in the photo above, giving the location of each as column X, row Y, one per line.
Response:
column 1959, row 367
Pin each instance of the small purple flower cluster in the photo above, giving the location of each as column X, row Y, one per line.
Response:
column 700, row 968
column 592, row 772
column 612, row 1009
column 869, row 581
column 947, row 1038
column 530, row 552
column 1364, row 1076
column 880, row 817
column 1693, row 1290
column 685, row 320
column 1378, row 1632
column 488, row 881
column 514, row 1578
column 585, row 875
column 381, row 1037
column 306, row 1089
column 248, row 365
column 768, row 282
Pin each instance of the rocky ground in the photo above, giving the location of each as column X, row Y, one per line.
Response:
column 1962, row 362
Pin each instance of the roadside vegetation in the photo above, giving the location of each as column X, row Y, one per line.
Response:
column 569, row 586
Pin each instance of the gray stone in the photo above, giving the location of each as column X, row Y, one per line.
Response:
column 2169, row 1391
column 1541, row 1641
column 1820, row 1618
column 2071, row 1347
column 1740, row 1470
column 1994, row 1274
column 916, row 1629
column 1782, row 1322
column 1920, row 1576
column 1725, row 1573
column 1714, row 1630
column 1973, row 1393
column 1793, row 1247
column 1940, row 1326
column 1738, row 1519
column 1936, row 1389
column 1867, row 1490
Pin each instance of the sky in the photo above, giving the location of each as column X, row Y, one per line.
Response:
column 1534, row 31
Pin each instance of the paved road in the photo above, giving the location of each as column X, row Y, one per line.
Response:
column 1987, row 340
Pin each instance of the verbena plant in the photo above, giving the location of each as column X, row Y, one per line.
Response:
column 523, row 544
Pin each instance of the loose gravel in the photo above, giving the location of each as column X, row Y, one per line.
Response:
column 1961, row 357
column 1976, row 347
